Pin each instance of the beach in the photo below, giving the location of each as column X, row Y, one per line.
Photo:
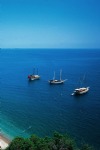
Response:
column 4, row 142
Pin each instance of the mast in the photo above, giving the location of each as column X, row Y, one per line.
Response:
column 54, row 76
column 60, row 74
column 83, row 79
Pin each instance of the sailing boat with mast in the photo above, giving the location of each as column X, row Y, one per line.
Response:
column 55, row 81
column 33, row 76
column 81, row 90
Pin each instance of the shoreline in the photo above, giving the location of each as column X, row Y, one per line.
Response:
column 4, row 141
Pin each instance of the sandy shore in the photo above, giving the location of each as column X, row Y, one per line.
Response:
column 4, row 142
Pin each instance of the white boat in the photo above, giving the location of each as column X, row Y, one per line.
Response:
column 55, row 81
column 33, row 76
column 81, row 90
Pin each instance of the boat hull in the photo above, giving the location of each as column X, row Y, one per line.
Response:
column 33, row 77
column 56, row 81
column 81, row 91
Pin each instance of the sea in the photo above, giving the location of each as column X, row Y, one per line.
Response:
column 39, row 108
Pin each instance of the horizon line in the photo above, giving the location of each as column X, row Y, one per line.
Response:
column 46, row 48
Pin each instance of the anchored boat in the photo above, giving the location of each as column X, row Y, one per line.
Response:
column 81, row 90
column 55, row 81
column 33, row 76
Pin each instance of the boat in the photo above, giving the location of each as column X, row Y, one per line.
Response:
column 55, row 81
column 33, row 76
column 81, row 90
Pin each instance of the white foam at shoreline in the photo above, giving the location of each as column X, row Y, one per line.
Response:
column 3, row 144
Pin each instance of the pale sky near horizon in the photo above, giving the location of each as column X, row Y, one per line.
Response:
column 49, row 23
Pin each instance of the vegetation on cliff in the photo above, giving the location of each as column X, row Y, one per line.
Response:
column 57, row 142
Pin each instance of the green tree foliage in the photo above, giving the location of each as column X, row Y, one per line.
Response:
column 57, row 142
column 62, row 142
column 40, row 143
column 20, row 143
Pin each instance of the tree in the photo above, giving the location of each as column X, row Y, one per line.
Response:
column 20, row 143
column 62, row 142
column 57, row 142
column 40, row 143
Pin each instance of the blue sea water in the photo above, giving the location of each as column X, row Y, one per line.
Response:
column 40, row 108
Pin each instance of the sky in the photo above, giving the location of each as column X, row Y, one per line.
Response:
column 50, row 23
